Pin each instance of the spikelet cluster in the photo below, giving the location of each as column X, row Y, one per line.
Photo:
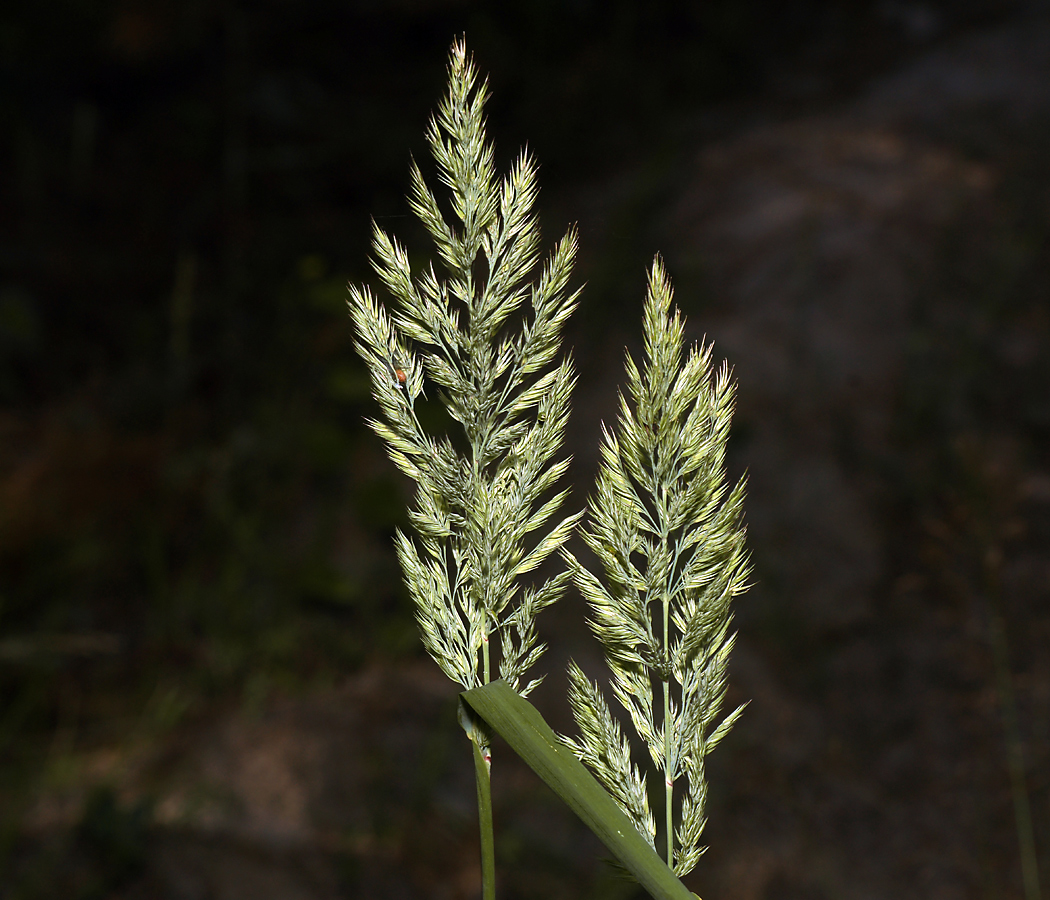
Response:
column 481, row 501
column 668, row 533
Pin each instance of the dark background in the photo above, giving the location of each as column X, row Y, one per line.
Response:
column 210, row 681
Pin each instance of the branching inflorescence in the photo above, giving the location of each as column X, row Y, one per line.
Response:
column 671, row 543
column 476, row 511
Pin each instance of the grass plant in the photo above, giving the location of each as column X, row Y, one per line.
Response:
column 486, row 339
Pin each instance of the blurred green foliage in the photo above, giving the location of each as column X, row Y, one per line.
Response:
column 102, row 855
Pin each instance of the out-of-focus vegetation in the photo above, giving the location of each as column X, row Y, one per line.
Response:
column 190, row 508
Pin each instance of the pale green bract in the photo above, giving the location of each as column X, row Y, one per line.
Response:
column 671, row 543
column 476, row 511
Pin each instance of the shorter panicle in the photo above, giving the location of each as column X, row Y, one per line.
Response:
column 669, row 537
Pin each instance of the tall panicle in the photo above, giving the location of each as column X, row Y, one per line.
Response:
column 477, row 512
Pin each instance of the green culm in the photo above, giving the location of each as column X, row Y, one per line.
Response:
column 486, row 340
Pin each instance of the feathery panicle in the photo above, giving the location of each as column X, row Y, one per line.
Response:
column 671, row 542
column 476, row 512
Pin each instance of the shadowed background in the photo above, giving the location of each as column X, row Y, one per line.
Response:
column 210, row 680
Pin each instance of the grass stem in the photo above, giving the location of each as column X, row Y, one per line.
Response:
column 668, row 782
column 668, row 774
column 488, row 847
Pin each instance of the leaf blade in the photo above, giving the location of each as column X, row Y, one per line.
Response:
column 520, row 724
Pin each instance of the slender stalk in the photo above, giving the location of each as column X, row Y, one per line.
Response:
column 488, row 849
column 668, row 775
column 482, row 768
column 485, row 653
column 668, row 780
